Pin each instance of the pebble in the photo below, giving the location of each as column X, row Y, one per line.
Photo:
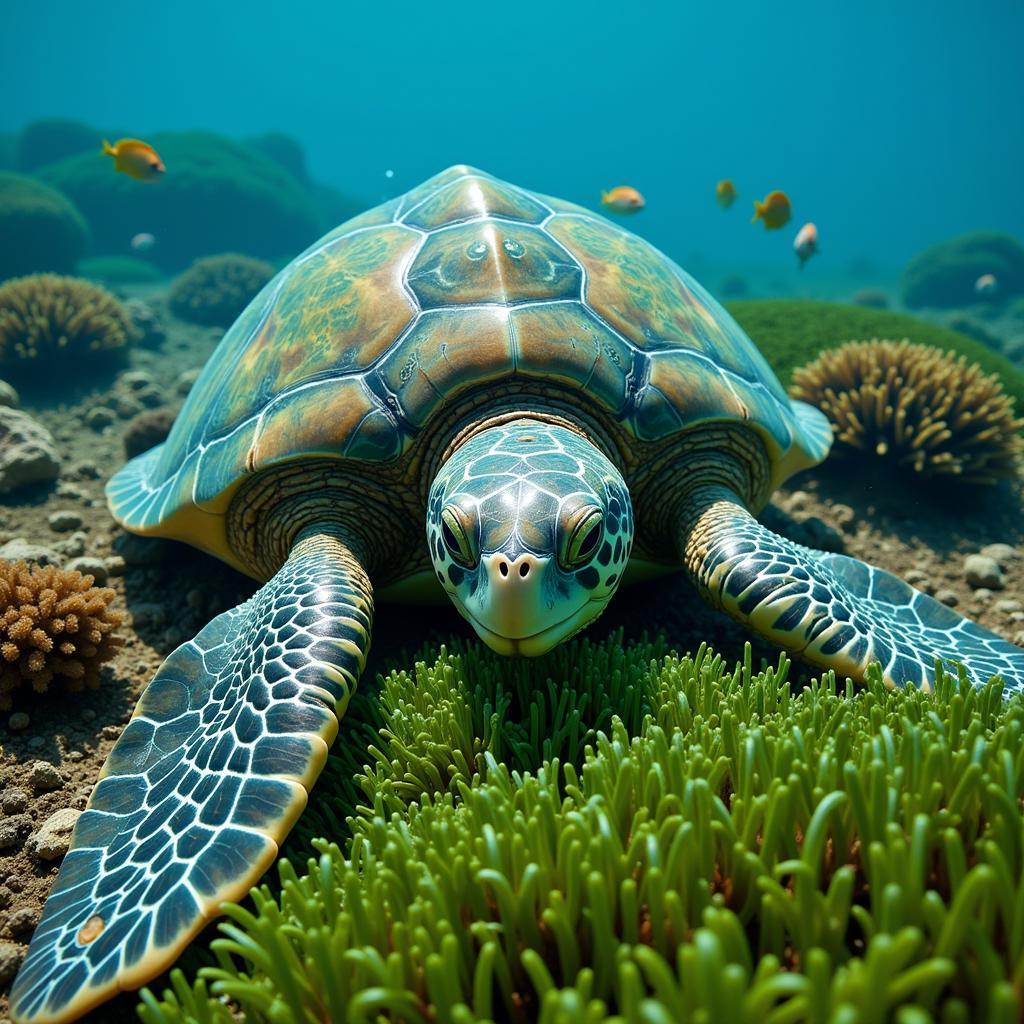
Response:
column 22, row 920
column 844, row 516
column 99, row 417
column 983, row 594
column 65, row 520
column 983, row 571
column 1002, row 553
column 20, row 549
column 73, row 546
column 915, row 576
column 125, row 406
column 135, row 380
column 185, row 380
column 14, row 800
column 18, row 721
column 86, row 470
column 115, row 565
column 151, row 398
column 14, row 830
column 110, row 732
column 43, row 776
column 88, row 566
column 74, row 755
column 947, row 596
column 11, row 956
column 8, row 396
column 28, row 452
column 54, row 837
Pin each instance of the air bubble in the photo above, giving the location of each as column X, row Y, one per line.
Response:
column 515, row 249
column 389, row 173
column 476, row 250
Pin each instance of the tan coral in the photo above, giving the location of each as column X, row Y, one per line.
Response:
column 54, row 626
column 49, row 322
column 928, row 410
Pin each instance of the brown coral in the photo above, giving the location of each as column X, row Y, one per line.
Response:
column 147, row 429
column 215, row 289
column 54, row 625
column 50, row 323
column 927, row 410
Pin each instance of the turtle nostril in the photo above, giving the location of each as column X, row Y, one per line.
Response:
column 524, row 569
column 503, row 568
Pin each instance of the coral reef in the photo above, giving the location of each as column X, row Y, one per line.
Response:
column 925, row 410
column 55, row 138
column 285, row 151
column 734, row 286
column 873, row 298
column 217, row 195
column 40, row 229
column 790, row 331
column 215, row 289
column 147, row 429
column 8, row 151
column 50, row 325
column 115, row 270
column 944, row 274
column 55, row 626
column 728, row 850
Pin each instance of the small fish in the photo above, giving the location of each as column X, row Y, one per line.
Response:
column 135, row 158
column 805, row 245
column 623, row 199
column 143, row 241
column 775, row 211
column 986, row 284
column 725, row 193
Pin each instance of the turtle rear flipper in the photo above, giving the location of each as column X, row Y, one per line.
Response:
column 831, row 610
column 205, row 781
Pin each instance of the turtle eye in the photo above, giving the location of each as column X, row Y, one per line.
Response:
column 581, row 537
column 457, row 538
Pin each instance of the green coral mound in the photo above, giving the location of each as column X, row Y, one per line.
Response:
column 215, row 289
column 792, row 332
column 726, row 850
column 55, row 138
column 40, row 229
column 944, row 275
column 114, row 270
column 217, row 196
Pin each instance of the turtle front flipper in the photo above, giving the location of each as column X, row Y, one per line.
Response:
column 204, row 783
column 831, row 610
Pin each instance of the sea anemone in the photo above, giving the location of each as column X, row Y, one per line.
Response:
column 215, row 289
column 147, row 429
column 924, row 409
column 49, row 324
column 54, row 626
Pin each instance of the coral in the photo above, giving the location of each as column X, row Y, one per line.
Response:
column 40, row 229
column 147, row 429
column 944, row 274
column 789, row 332
column 115, row 270
column 215, row 289
column 55, row 626
column 734, row 286
column 8, row 151
column 55, row 138
column 217, row 196
column 51, row 324
column 735, row 852
column 284, row 151
column 873, row 298
column 926, row 410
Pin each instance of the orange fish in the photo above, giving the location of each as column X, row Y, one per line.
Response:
column 135, row 158
column 725, row 193
column 805, row 245
column 775, row 211
column 623, row 199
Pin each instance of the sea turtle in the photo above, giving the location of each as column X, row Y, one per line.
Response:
column 553, row 399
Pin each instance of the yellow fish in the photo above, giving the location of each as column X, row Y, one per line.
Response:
column 623, row 199
column 725, row 193
column 135, row 158
column 775, row 211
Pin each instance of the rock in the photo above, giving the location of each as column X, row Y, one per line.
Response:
column 19, row 549
column 21, row 921
column 14, row 830
column 914, row 577
column 947, row 596
column 73, row 546
column 14, row 800
column 11, row 956
column 43, row 776
column 64, row 521
column 135, row 380
column 88, row 715
column 983, row 571
column 86, row 470
column 88, row 566
column 183, row 385
column 125, row 406
column 797, row 501
column 54, row 838
column 1002, row 553
column 844, row 516
column 149, row 327
column 36, row 743
column 110, row 732
column 137, row 550
column 983, row 595
column 99, row 417
column 151, row 398
column 28, row 453
column 8, row 396
column 1008, row 605
column 115, row 565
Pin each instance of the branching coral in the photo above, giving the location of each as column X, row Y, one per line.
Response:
column 736, row 853
column 51, row 324
column 927, row 410
column 54, row 626
column 215, row 289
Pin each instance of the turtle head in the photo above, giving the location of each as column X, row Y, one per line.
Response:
column 530, row 528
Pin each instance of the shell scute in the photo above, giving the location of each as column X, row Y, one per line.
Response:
column 475, row 195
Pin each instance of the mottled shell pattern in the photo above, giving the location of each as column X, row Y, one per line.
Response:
column 463, row 282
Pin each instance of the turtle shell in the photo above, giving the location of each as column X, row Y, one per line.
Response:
column 464, row 281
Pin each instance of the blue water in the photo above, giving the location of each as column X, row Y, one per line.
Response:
column 891, row 125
